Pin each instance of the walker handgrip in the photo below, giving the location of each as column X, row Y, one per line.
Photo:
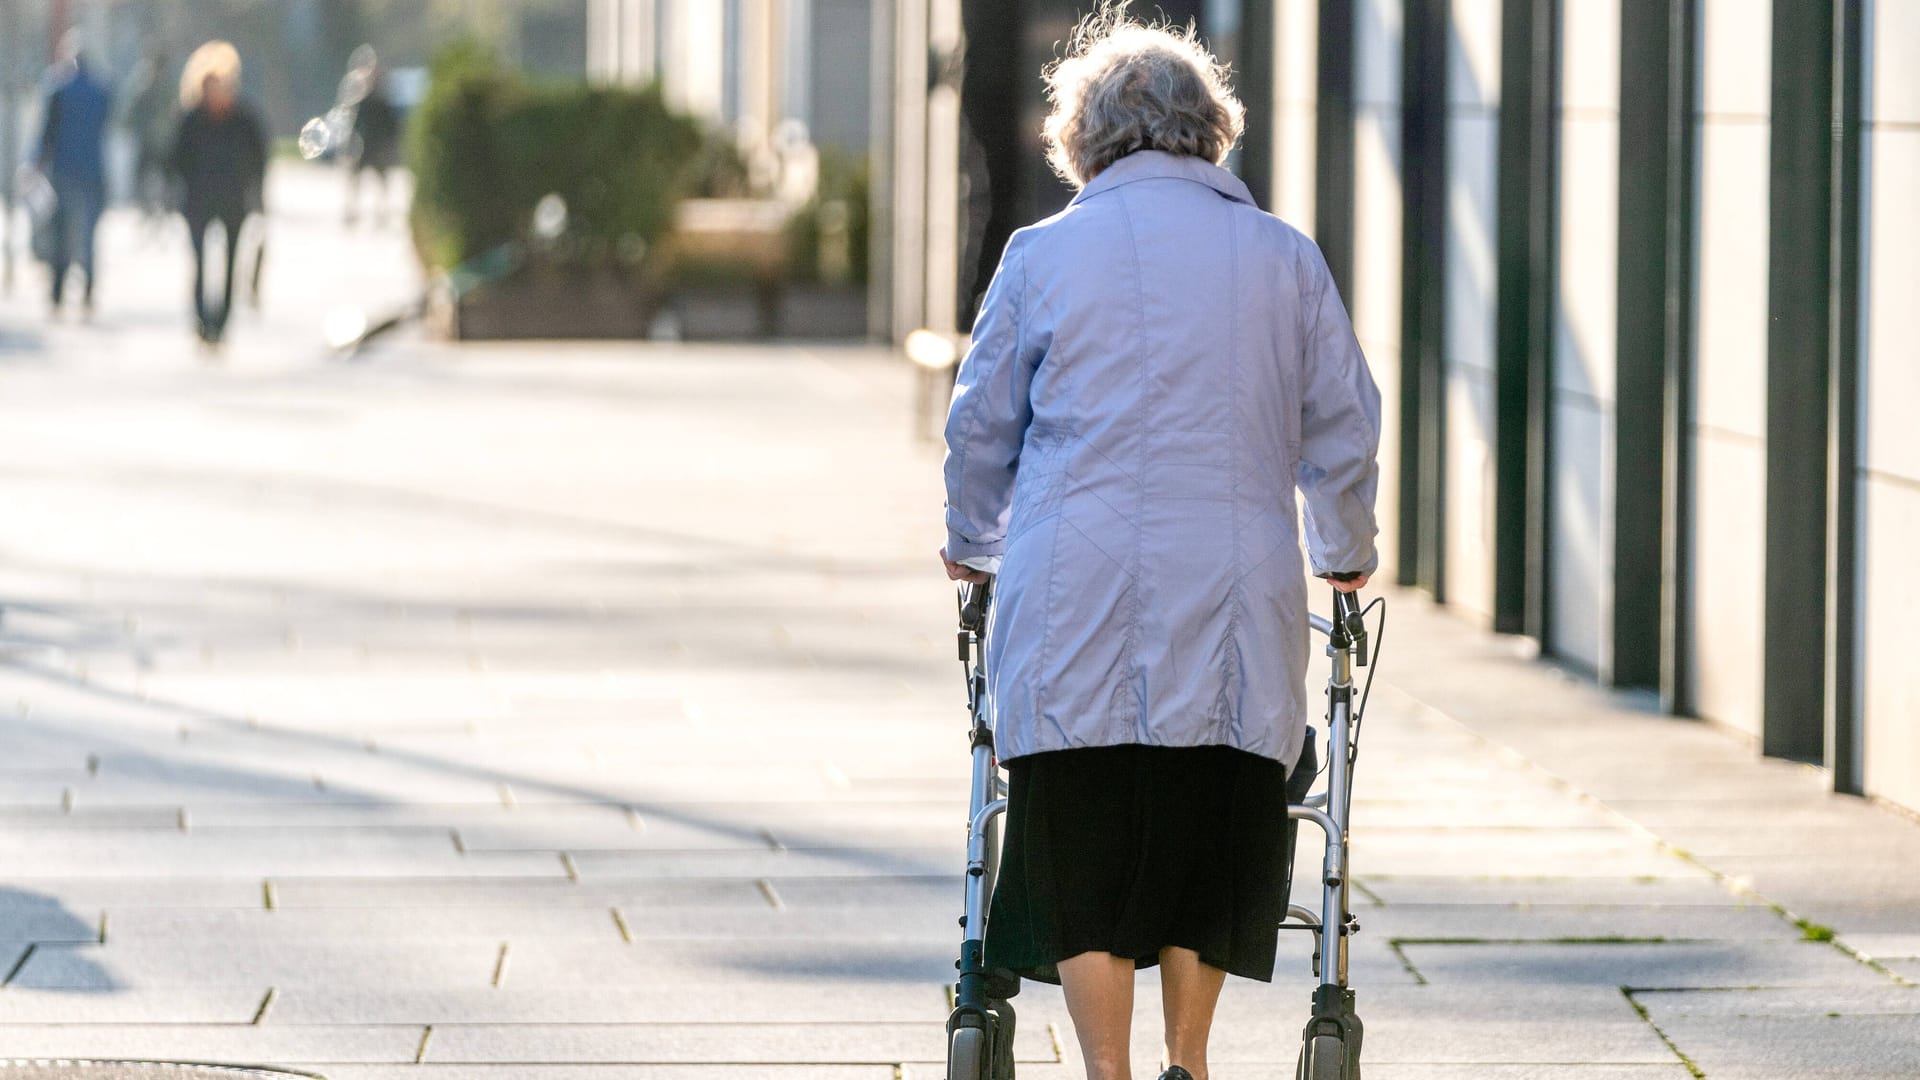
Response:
column 1350, row 623
column 974, row 599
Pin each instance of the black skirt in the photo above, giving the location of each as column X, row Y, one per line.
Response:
column 1132, row 849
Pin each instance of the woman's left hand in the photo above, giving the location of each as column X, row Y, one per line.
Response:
column 957, row 572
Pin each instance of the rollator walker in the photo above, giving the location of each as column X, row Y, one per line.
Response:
column 980, row 1028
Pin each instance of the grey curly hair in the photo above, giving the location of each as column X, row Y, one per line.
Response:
column 1126, row 85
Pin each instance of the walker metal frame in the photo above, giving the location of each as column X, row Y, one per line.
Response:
column 980, row 1027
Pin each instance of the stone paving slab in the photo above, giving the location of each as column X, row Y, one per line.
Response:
column 1887, row 1000
column 1461, row 922
column 628, row 1073
column 1538, row 891
column 1674, row 966
column 841, row 1043
column 240, row 1044
column 763, row 863
column 157, row 1005
column 1888, row 1044
column 187, row 963
column 242, row 927
column 125, row 1070
column 667, row 1002
column 344, row 892
column 85, row 898
column 258, row 853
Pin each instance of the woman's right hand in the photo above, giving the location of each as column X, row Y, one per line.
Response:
column 1354, row 584
column 957, row 572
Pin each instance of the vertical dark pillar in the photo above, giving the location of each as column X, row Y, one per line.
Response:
column 1253, row 72
column 1333, row 178
column 1655, row 163
column 1676, row 541
column 991, row 146
column 1844, row 748
column 1799, row 287
column 1423, row 168
column 1523, row 377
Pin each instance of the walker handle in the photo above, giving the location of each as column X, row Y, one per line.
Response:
column 974, row 600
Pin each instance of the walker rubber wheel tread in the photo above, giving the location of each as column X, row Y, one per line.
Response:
column 967, row 1055
column 1003, row 1026
column 1324, row 1057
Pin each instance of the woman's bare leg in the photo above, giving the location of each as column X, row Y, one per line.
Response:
column 1099, row 990
column 1189, row 989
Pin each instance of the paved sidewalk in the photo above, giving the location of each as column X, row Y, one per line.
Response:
column 581, row 713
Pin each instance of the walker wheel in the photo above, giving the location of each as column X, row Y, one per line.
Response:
column 967, row 1056
column 1324, row 1057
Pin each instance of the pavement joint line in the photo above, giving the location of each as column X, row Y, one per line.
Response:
column 634, row 820
column 620, row 924
column 1738, row 886
column 506, row 796
column 181, row 819
column 1362, row 889
column 266, row 1002
column 420, row 1052
column 458, row 844
column 500, row 966
column 1407, row 963
column 1059, row 1044
column 567, row 864
column 773, row 842
column 103, row 928
column 266, row 893
column 767, row 890
column 1698, row 1073
column 25, row 955
column 66, row 800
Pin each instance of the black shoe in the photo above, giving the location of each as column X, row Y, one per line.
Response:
column 1175, row 1072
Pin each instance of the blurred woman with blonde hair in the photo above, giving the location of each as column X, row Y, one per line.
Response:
column 220, row 159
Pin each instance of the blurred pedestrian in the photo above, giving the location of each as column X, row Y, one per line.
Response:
column 374, row 146
column 72, row 156
column 220, row 160
column 1154, row 372
column 151, row 109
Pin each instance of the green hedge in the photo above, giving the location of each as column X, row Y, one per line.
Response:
column 486, row 146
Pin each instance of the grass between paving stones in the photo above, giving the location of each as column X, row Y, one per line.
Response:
column 1692, row 1067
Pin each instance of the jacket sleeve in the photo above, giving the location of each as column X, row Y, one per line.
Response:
column 1339, row 431
column 987, row 420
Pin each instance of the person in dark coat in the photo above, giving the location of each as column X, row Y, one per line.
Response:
column 220, row 160
column 71, row 154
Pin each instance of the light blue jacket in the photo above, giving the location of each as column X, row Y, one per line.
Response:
column 1153, row 371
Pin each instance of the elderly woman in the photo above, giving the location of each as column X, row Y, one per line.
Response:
column 1154, row 371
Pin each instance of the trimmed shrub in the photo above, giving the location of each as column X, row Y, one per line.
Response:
column 486, row 146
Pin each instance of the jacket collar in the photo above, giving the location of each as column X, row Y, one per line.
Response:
column 1158, row 164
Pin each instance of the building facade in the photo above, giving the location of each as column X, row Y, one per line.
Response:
column 1636, row 278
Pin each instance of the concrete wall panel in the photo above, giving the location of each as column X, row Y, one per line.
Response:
column 1473, row 54
column 1375, row 303
column 1893, row 94
column 1892, row 286
column 1590, row 56
column 1580, row 526
column 1890, row 689
column 1296, row 117
column 1471, row 294
column 1727, row 563
column 1377, row 26
column 1736, row 70
column 1731, row 356
column 1580, row 547
column 1728, row 526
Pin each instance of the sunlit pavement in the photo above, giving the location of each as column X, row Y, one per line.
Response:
column 555, row 711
